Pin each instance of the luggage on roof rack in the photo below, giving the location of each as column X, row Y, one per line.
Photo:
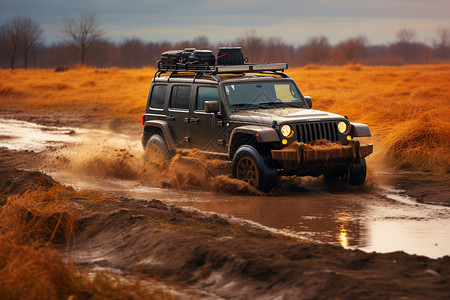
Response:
column 202, row 57
column 203, row 61
column 230, row 56
column 170, row 58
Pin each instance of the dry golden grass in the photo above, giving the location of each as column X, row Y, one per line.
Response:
column 39, row 216
column 406, row 107
column 120, row 93
column 30, row 267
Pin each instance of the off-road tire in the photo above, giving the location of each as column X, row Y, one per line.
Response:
column 156, row 145
column 253, row 167
column 357, row 173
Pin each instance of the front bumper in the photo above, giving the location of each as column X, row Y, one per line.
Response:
column 305, row 159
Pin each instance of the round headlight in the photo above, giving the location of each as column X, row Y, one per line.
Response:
column 342, row 127
column 287, row 131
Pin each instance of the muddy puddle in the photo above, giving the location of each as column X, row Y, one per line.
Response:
column 375, row 218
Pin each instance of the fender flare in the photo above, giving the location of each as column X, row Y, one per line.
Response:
column 360, row 130
column 263, row 134
column 164, row 127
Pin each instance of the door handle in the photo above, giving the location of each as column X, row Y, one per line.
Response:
column 194, row 119
column 169, row 118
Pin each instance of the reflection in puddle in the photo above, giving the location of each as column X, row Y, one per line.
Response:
column 22, row 135
column 343, row 239
column 351, row 220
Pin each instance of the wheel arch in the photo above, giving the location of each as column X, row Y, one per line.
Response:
column 157, row 127
column 249, row 135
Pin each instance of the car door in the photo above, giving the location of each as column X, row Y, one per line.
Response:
column 178, row 114
column 205, row 129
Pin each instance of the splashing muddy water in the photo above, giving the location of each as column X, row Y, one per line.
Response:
column 374, row 218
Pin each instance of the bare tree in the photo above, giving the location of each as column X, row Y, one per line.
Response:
column 317, row 49
column 442, row 44
column 405, row 43
column 406, row 35
column 31, row 38
column 201, row 42
column 252, row 46
column 10, row 40
column 20, row 34
column 350, row 51
column 83, row 33
column 132, row 53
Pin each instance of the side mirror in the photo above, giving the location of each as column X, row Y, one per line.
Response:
column 211, row 107
column 308, row 101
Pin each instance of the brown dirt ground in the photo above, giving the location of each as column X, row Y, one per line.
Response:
column 233, row 259
column 227, row 258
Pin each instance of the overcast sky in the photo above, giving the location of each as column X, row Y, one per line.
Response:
column 225, row 20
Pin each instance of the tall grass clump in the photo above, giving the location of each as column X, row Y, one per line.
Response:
column 31, row 225
column 422, row 143
column 39, row 216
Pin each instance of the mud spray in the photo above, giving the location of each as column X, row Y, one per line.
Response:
column 108, row 159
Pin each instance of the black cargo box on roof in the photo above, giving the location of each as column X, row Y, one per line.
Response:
column 230, row 56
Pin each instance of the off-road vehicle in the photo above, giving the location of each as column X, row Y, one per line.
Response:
column 252, row 115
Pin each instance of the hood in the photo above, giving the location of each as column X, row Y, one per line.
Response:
column 282, row 115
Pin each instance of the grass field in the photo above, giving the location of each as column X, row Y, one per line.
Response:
column 406, row 107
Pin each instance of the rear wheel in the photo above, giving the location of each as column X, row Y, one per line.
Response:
column 156, row 149
column 253, row 167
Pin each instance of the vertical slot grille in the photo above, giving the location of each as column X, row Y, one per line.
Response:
column 310, row 132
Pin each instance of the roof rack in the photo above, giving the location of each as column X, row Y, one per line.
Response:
column 276, row 68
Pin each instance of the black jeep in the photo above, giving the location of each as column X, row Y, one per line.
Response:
column 252, row 115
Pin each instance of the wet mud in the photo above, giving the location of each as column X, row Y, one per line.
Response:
column 228, row 258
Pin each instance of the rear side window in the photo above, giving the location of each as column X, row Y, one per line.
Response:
column 206, row 93
column 158, row 96
column 180, row 96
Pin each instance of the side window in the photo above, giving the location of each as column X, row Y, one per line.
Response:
column 180, row 96
column 206, row 93
column 158, row 96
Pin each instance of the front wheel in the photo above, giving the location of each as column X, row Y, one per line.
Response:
column 250, row 166
column 354, row 175
column 357, row 173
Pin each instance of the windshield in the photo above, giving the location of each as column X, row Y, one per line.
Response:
column 263, row 94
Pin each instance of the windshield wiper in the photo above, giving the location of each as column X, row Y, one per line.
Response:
column 247, row 105
column 276, row 103
column 292, row 105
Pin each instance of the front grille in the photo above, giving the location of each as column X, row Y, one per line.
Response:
column 310, row 132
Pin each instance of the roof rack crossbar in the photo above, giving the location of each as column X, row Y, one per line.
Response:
column 276, row 68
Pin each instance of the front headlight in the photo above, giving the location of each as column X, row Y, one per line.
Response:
column 343, row 127
column 287, row 131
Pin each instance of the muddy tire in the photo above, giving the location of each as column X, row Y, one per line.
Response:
column 253, row 167
column 357, row 173
column 156, row 149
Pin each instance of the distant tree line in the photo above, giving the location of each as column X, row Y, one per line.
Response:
column 21, row 42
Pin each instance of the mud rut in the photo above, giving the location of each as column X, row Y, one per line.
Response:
column 376, row 217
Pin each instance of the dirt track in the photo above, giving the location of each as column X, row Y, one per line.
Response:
column 225, row 257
